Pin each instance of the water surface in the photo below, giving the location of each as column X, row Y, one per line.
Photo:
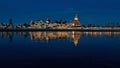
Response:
column 60, row 49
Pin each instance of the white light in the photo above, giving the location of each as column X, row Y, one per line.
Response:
column 76, row 18
column 73, row 24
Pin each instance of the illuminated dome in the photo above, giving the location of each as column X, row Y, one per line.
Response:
column 76, row 18
column 76, row 22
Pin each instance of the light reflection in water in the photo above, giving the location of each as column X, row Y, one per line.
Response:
column 55, row 35
column 74, row 36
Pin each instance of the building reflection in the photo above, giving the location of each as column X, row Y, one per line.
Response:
column 46, row 36
column 76, row 37
column 110, row 34
column 49, row 35
column 7, row 35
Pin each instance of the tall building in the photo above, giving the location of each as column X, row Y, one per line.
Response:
column 10, row 24
column 10, row 21
column 76, row 22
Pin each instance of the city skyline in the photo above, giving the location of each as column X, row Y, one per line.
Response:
column 94, row 11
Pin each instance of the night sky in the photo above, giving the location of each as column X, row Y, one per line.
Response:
column 89, row 11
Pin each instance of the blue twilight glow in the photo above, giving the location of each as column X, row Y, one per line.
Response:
column 89, row 11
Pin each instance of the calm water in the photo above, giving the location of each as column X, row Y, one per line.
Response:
column 60, row 49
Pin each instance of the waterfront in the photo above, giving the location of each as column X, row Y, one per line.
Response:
column 74, row 25
column 60, row 49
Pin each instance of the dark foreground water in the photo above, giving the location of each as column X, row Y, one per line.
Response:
column 60, row 49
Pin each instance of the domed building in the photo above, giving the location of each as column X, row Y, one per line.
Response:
column 76, row 22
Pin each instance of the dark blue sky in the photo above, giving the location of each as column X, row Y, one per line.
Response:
column 89, row 11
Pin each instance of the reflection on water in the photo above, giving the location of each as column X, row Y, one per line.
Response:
column 59, row 48
column 7, row 35
column 74, row 36
column 55, row 35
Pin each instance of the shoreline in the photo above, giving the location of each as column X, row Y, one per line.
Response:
column 81, row 30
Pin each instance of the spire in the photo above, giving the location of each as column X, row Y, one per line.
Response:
column 31, row 21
